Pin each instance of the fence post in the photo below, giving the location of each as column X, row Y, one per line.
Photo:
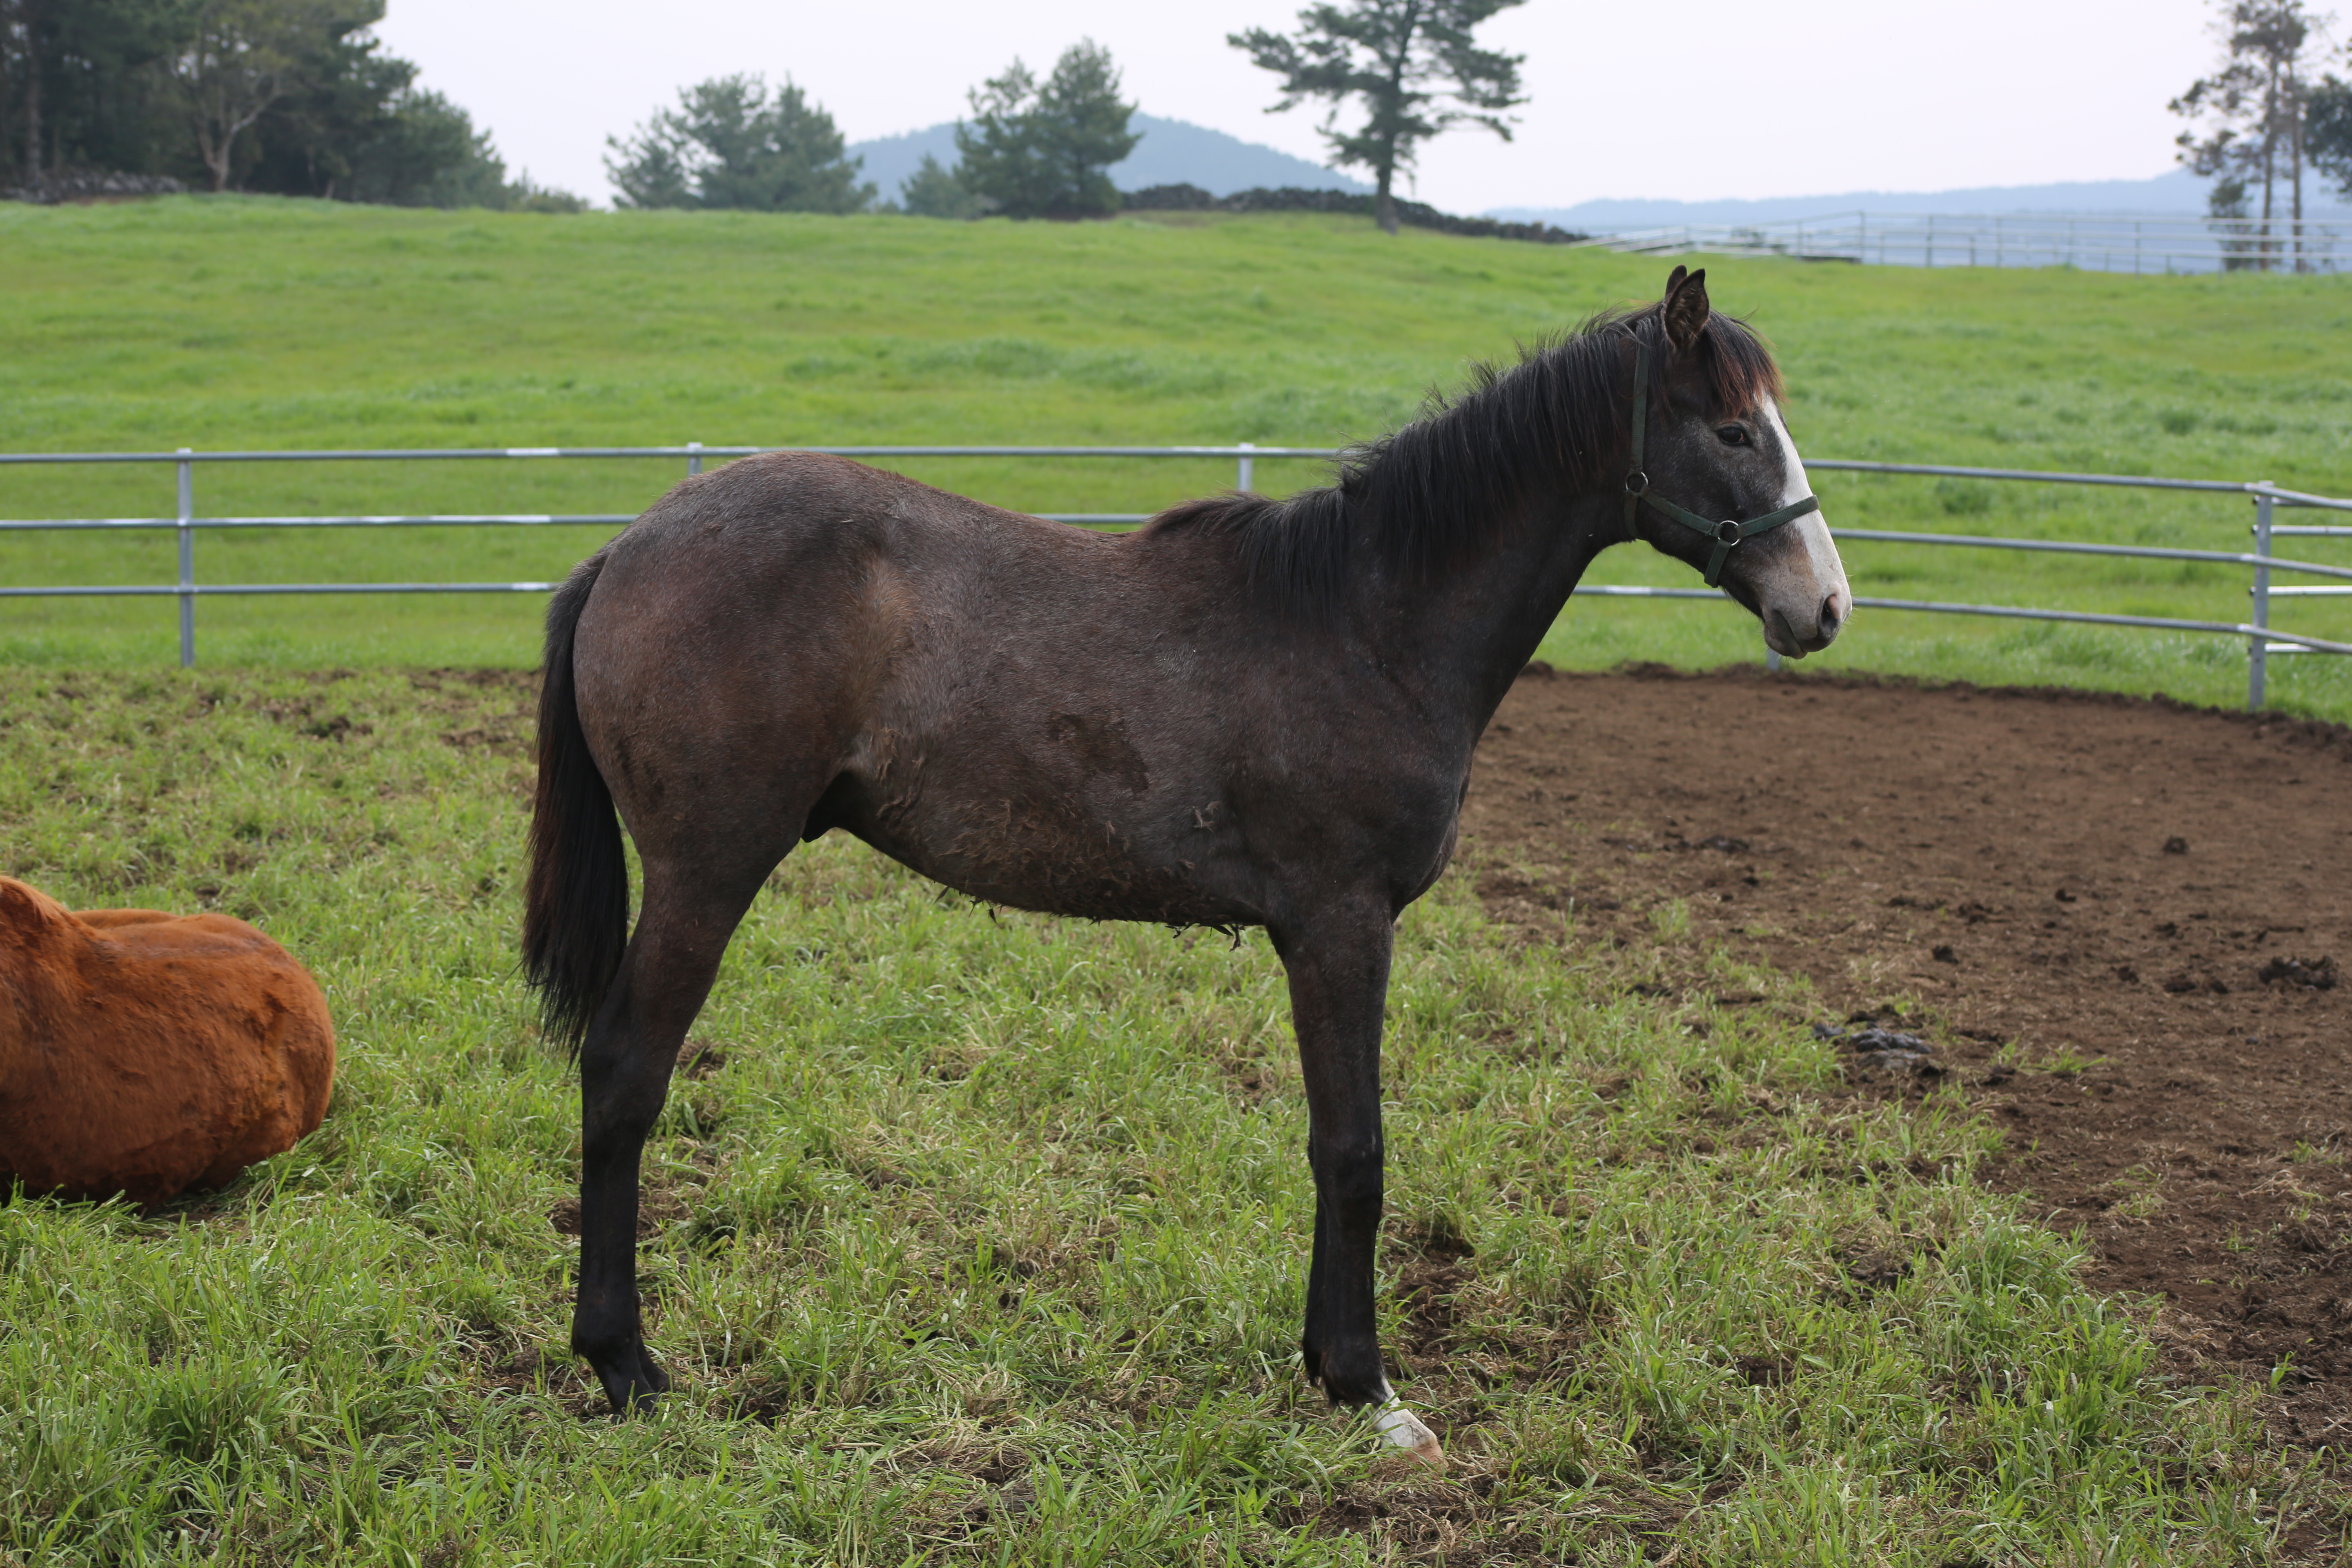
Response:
column 2258, row 646
column 693, row 458
column 187, row 561
column 1772, row 659
column 1247, row 468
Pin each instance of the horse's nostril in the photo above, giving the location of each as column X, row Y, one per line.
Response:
column 1832, row 615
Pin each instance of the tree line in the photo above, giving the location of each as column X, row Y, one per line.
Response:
column 1031, row 148
column 2268, row 115
column 1042, row 148
column 300, row 98
column 290, row 97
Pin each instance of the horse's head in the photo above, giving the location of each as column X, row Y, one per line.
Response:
column 1715, row 479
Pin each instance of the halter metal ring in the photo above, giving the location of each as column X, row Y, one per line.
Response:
column 1727, row 532
column 1637, row 483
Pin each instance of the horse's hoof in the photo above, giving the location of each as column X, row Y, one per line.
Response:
column 631, row 1390
column 1407, row 1431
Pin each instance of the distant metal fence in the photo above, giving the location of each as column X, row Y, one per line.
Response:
column 2097, row 242
column 187, row 590
column 2263, row 639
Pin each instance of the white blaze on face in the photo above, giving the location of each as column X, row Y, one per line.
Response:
column 1821, row 604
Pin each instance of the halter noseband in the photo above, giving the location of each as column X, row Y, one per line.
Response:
column 1637, row 487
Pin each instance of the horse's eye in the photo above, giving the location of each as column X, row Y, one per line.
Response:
column 1732, row 435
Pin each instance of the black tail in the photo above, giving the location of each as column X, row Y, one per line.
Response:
column 575, row 919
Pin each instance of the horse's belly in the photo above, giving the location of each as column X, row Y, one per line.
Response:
column 1051, row 857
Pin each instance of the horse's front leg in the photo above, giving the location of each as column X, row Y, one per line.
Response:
column 1338, row 970
column 625, row 1069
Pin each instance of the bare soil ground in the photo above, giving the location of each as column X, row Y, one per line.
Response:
column 2119, row 921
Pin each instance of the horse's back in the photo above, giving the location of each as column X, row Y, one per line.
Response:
column 792, row 509
column 772, row 542
column 822, row 583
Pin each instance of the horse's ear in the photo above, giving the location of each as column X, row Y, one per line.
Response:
column 21, row 917
column 1685, row 309
column 1674, row 280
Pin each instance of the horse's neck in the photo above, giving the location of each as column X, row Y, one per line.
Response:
column 1466, row 636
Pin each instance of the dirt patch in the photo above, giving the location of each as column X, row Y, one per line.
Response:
column 493, row 709
column 699, row 1060
column 1440, row 1266
column 305, row 716
column 2118, row 924
column 659, row 1204
column 528, row 1368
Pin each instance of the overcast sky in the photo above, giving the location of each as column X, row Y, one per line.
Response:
column 1696, row 99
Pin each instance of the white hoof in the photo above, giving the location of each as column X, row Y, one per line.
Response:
column 1407, row 1431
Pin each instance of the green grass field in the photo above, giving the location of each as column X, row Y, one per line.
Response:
column 985, row 1244
column 265, row 323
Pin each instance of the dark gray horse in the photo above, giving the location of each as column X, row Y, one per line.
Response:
column 1248, row 713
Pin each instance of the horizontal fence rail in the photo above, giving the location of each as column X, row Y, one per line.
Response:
column 232, row 590
column 2263, row 639
column 2099, row 242
column 693, row 452
column 2007, row 611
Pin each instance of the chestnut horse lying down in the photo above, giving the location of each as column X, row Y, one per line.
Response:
column 143, row 1053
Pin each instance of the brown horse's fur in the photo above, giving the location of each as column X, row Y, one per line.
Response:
column 144, row 1053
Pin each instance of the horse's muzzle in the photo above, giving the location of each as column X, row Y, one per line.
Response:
column 1791, row 638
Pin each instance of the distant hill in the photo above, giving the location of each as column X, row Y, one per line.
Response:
column 2178, row 193
column 1173, row 152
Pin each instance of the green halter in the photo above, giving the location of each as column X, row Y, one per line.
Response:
column 1637, row 487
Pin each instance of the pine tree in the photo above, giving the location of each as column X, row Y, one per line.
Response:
column 1415, row 66
column 1044, row 150
column 933, row 191
column 242, row 57
column 2328, row 133
column 730, row 144
column 2252, row 112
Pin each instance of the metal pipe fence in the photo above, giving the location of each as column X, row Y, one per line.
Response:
column 2262, row 639
column 2098, row 242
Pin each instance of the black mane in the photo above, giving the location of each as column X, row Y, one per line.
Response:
column 1422, row 496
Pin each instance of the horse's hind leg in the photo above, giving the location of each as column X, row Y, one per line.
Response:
column 691, row 910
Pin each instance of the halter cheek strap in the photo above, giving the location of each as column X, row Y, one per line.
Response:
column 1637, row 488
